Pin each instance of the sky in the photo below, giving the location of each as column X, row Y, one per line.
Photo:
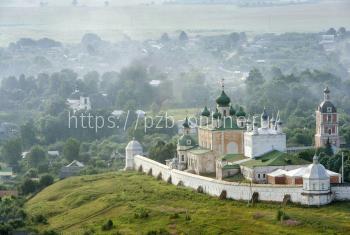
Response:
column 30, row 3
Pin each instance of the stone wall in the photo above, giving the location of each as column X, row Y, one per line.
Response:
column 236, row 191
column 341, row 192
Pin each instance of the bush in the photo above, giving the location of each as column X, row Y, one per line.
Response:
column 32, row 173
column 159, row 232
column 281, row 216
column 169, row 180
column 141, row 213
column 174, row 216
column 107, row 226
column 40, row 219
column 187, row 216
column 28, row 186
column 159, row 176
column 45, row 181
column 49, row 232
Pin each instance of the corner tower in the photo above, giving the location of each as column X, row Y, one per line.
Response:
column 327, row 122
column 132, row 149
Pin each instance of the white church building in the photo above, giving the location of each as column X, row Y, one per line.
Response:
column 269, row 137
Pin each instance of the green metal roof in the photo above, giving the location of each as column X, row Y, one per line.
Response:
column 186, row 140
column 275, row 158
column 232, row 157
column 186, row 124
column 217, row 114
column 235, row 166
column 200, row 151
column 223, row 100
column 241, row 112
column 205, row 112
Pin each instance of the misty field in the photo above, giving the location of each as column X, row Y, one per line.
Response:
column 138, row 204
column 68, row 24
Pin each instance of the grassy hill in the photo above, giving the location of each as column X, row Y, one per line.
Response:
column 138, row 204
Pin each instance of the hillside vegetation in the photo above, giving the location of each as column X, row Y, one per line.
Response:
column 139, row 204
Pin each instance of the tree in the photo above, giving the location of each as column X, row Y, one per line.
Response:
column 255, row 77
column 71, row 149
column 162, row 151
column 45, row 181
column 183, row 36
column 12, row 151
column 28, row 134
column 36, row 156
column 328, row 148
column 28, row 186
column 332, row 31
column 342, row 32
column 56, row 106
column 91, row 80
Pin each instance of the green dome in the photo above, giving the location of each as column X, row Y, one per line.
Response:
column 205, row 112
column 186, row 124
column 223, row 100
column 241, row 112
column 216, row 115
column 186, row 140
column 232, row 111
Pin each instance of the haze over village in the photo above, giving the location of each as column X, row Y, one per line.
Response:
column 174, row 117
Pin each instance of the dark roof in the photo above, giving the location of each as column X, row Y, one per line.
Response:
column 217, row 114
column 264, row 115
column 223, row 100
column 323, row 108
column 205, row 112
column 186, row 124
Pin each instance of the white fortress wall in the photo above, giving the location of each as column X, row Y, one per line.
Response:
column 341, row 192
column 236, row 191
column 156, row 167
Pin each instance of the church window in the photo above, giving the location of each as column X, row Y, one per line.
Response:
column 323, row 187
column 259, row 176
column 329, row 131
column 188, row 141
column 224, row 112
column 329, row 109
column 313, row 186
column 182, row 158
column 329, row 118
column 264, row 176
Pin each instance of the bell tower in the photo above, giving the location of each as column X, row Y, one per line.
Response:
column 327, row 122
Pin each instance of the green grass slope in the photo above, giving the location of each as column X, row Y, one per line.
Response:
column 80, row 204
